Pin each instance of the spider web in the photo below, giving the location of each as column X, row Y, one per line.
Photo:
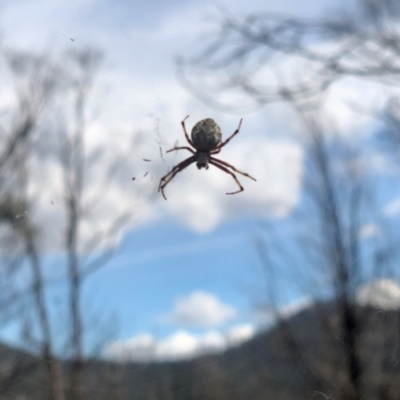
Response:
column 301, row 354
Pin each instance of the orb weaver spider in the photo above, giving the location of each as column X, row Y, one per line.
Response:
column 206, row 141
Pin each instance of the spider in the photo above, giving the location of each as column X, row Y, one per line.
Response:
column 206, row 141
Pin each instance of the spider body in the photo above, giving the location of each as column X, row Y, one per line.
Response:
column 202, row 159
column 206, row 137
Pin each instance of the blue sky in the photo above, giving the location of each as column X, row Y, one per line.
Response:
column 173, row 262
column 195, row 251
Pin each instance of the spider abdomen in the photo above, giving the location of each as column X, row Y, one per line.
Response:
column 206, row 135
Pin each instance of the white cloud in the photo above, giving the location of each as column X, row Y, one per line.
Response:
column 200, row 309
column 156, row 105
column 138, row 348
column 383, row 294
column 267, row 315
column 344, row 111
column 369, row 231
column 104, row 199
column 139, row 80
column 295, row 307
column 239, row 334
column 198, row 198
column 393, row 208
column 183, row 345
column 179, row 345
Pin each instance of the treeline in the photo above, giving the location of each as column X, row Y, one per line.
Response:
column 299, row 358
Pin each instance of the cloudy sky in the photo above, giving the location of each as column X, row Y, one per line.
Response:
column 186, row 276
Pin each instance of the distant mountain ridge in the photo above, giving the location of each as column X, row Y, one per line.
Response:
column 300, row 358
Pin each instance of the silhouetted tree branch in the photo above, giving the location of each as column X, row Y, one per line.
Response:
column 265, row 58
column 271, row 58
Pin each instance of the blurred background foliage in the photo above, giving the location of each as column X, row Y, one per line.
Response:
column 344, row 344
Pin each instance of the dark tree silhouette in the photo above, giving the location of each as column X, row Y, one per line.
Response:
column 265, row 58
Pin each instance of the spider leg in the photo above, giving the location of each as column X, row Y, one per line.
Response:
column 177, row 167
column 230, row 173
column 231, row 166
column 185, row 131
column 230, row 137
column 181, row 148
column 164, row 178
column 174, row 169
column 170, row 175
